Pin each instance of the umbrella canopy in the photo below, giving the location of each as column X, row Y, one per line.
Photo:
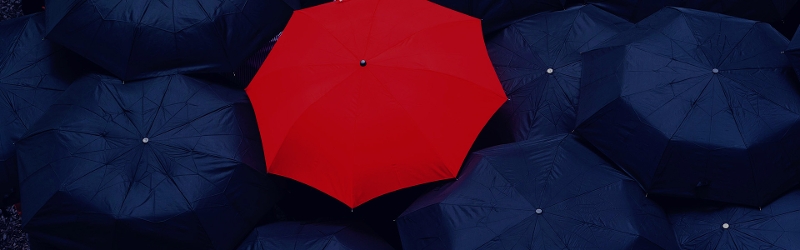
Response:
column 33, row 73
column 553, row 193
column 363, row 97
column 766, row 11
column 632, row 10
column 497, row 14
column 313, row 236
column 538, row 62
column 137, row 39
column 165, row 163
column 696, row 104
column 793, row 52
column 773, row 227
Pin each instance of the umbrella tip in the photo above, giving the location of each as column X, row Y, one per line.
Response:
column 145, row 140
column 715, row 70
column 539, row 211
column 363, row 63
column 725, row 226
column 549, row 70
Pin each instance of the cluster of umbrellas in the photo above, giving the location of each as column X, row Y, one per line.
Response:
column 613, row 124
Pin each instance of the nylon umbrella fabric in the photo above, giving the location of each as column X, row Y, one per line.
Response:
column 632, row 10
column 165, row 163
column 695, row 104
column 538, row 62
column 313, row 236
column 33, row 73
column 765, row 11
column 735, row 227
column 139, row 39
column 783, row 15
column 364, row 97
column 497, row 14
column 553, row 193
column 793, row 52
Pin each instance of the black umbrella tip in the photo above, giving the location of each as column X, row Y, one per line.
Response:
column 363, row 63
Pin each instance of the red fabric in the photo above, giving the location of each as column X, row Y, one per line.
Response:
column 408, row 117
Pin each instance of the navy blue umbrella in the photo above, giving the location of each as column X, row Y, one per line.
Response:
column 313, row 236
column 538, row 62
column 553, row 193
column 632, row 10
column 766, row 11
column 722, row 228
column 165, row 163
column 696, row 104
column 33, row 73
column 497, row 14
column 137, row 39
column 784, row 15
column 793, row 52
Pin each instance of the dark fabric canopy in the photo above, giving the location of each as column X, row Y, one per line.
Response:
column 793, row 52
column 165, row 163
column 632, row 10
column 33, row 73
column 497, row 14
column 288, row 235
column 696, row 104
column 721, row 228
column 137, row 39
column 553, row 193
column 538, row 62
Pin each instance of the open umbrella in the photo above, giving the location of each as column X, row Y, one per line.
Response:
column 553, row 193
column 363, row 97
column 631, row 10
column 538, row 62
column 696, row 104
column 497, row 14
column 137, row 39
column 784, row 15
column 793, row 52
column 773, row 227
column 165, row 163
column 313, row 236
column 33, row 73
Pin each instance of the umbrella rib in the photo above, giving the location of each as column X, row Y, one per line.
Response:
column 446, row 74
column 321, row 24
column 737, row 44
column 419, row 31
column 759, row 94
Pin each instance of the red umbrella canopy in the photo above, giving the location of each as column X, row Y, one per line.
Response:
column 364, row 97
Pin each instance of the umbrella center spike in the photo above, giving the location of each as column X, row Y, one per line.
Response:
column 725, row 226
column 549, row 70
column 363, row 63
column 145, row 140
column 539, row 211
column 714, row 70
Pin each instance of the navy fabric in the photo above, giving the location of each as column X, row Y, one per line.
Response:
column 765, row 11
column 33, row 73
column 553, row 193
column 793, row 52
column 138, row 39
column 287, row 235
column 696, row 104
column 631, row 10
column 773, row 227
column 497, row 14
column 164, row 163
column 784, row 15
column 242, row 76
column 538, row 62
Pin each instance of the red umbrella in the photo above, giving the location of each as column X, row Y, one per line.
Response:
column 364, row 97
